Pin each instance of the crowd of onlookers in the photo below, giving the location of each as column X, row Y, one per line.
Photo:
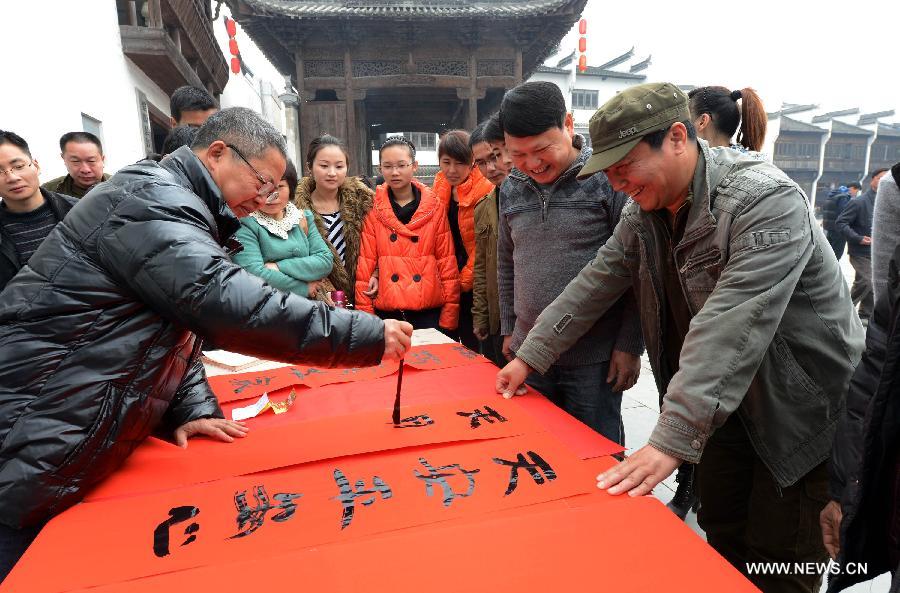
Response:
column 546, row 252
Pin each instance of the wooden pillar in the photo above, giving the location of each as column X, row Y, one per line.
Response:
column 132, row 13
column 472, row 114
column 352, row 134
column 302, row 134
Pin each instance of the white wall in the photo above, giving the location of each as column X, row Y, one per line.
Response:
column 63, row 59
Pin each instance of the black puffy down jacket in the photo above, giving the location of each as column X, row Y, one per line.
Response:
column 865, row 447
column 98, row 335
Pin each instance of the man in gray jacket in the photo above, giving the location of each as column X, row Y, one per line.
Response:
column 551, row 222
column 748, row 324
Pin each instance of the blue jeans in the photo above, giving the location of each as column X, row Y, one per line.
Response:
column 583, row 392
column 13, row 543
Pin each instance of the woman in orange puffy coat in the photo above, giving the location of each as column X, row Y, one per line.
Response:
column 406, row 236
column 460, row 186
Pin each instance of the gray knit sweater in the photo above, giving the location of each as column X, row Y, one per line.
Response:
column 546, row 235
column 885, row 230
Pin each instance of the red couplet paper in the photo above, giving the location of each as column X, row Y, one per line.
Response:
column 274, row 512
column 623, row 545
column 158, row 465
column 238, row 386
column 420, row 388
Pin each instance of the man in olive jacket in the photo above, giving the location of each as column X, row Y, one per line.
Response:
column 99, row 332
column 748, row 324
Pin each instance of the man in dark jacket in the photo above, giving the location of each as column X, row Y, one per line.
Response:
column 82, row 153
column 98, row 333
column 855, row 224
column 865, row 468
column 27, row 212
column 834, row 204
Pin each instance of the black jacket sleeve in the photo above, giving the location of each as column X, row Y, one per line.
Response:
column 193, row 400
column 848, row 441
column 171, row 260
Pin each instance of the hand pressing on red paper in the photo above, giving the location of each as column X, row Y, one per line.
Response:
column 511, row 378
column 639, row 473
column 216, row 428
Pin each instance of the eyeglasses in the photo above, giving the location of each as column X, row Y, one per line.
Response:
column 398, row 167
column 268, row 188
column 16, row 169
column 490, row 159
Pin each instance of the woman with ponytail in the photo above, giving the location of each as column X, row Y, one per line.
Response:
column 719, row 113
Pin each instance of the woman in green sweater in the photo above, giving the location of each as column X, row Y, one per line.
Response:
column 283, row 246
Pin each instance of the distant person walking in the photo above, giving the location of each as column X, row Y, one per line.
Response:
column 855, row 224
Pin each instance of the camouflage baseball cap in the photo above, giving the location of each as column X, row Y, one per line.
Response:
column 622, row 121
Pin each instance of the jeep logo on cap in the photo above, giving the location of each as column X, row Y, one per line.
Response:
column 629, row 132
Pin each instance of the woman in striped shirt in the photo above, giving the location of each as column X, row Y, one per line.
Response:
column 340, row 204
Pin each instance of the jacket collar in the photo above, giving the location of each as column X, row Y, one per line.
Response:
column 469, row 192
column 385, row 213
column 186, row 165
column 700, row 213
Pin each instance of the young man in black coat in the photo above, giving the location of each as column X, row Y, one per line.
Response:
column 861, row 523
column 27, row 212
column 99, row 332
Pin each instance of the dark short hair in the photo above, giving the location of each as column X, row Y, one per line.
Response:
column 7, row 137
column 190, row 98
column 477, row 135
column 290, row 175
column 243, row 128
column 854, row 184
column 455, row 144
column 398, row 141
column 532, row 108
column 655, row 139
column 493, row 132
column 321, row 142
column 877, row 172
column 177, row 137
column 79, row 137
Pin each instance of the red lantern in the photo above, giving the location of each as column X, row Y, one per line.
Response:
column 582, row 26
column 582, row 63
column 230, row 27
column 235, row 65
column 233, row 47
column 582, row 44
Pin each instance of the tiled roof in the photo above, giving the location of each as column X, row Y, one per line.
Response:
column 595, row 71
column 792, row 125
column 871, row 118
column 642, row 65
column 592, row 71
column 788, row 108
column 552, row 70
column 618, row 59
column 839, row 127
column 888, row 130
column 833, row 114
column 405, row 8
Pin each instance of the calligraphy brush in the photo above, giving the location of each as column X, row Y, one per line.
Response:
column 396, row 415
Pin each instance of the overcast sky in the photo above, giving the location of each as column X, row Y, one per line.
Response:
column 834, row 55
